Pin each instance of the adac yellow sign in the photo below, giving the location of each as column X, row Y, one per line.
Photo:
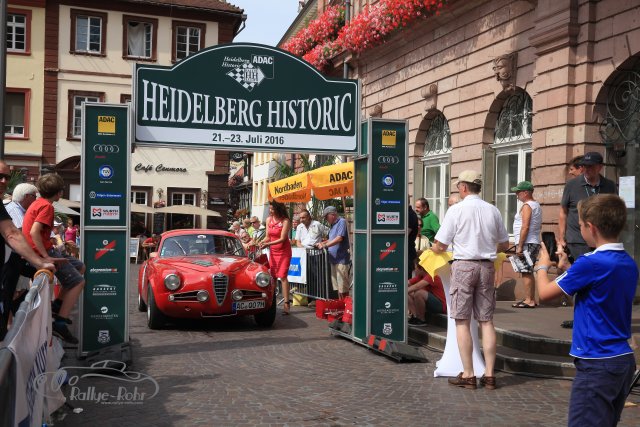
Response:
column 106, row 124
column 327, row 182
column 388, row 138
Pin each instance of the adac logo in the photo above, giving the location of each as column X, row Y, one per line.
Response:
column 389, row 138
column 106, row 125
column 105, row 172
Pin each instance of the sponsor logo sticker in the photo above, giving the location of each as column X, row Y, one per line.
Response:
column 108, row 246
column 105, row 212
column 294, row 268
column 390, row 249
column 390, row 218
column 389, row 138
column 103, row 290
column 105, row 172
column 106, row 125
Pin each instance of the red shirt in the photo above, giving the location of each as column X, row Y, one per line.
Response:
column 435, row 287
column 40, row 211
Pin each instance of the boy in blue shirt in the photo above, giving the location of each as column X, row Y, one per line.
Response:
column 604, row 284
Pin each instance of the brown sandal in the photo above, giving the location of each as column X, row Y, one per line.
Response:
column 488, row 382
column 469, row 383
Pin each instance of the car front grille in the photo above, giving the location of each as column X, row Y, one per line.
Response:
column 220, row 286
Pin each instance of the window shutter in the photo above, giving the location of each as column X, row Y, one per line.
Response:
column 488, row 174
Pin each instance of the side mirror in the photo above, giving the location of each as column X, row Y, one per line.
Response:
column 153, row 255
column 252, row 255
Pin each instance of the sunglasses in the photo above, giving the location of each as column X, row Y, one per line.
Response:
column 5, row 176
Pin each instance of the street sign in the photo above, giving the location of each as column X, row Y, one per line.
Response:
column 245, row 97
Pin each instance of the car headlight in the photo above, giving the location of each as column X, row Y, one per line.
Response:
column 263, row 279
column 172, row 282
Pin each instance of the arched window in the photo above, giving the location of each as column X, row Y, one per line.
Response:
column 512, row 147
column 436, row 161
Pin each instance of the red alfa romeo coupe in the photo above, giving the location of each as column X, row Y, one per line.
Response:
column 204, row 274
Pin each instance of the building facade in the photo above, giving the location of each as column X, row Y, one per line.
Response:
column 24, row 95
column 514, row 89
column 86, row 53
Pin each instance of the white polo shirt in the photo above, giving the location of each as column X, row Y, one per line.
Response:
column 474, row 227
column 308, row 237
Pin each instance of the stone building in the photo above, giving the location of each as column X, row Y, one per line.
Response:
column 514, row 89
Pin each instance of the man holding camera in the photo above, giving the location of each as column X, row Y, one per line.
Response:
column 590, row 183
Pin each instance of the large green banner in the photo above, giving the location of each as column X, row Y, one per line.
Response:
column 105, row 225
column 245, row 97
column 104, row 305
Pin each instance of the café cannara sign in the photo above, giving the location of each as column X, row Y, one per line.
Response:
column 245, row 97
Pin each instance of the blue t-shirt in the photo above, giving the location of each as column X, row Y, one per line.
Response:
column 339, row 254
column 604, row 283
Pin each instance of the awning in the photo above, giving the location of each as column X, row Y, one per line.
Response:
column 187, row 210
column 327, row 182
column 144, row 209
column 60, row 208
column 69, row 203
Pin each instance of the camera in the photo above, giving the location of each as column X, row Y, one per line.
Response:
column 549, row 240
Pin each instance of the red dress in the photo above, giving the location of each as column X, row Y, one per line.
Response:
column 281, row 252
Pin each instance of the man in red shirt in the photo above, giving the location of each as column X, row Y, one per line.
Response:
column 36, row 227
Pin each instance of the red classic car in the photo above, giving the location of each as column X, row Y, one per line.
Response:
column 204, row 274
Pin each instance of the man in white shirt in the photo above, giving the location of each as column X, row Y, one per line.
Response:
column 309, row 231
column 18, row 272
column 477, row 232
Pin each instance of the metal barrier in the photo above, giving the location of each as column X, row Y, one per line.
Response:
column 24, row 356
column 7, row 386
column 318, row 276
column 316, row 283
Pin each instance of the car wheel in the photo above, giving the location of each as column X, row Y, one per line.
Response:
column 141, row 305
column 266, row 318
column 155, row 318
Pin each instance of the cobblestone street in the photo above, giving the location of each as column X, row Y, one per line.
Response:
column 232, row 373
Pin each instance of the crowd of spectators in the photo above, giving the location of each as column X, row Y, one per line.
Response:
column 35, row 239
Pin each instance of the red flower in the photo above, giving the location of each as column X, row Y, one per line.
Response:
column 323, row 38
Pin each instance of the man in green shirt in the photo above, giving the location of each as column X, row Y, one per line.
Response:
column 430, row 223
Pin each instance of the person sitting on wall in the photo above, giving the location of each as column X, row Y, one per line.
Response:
column 426, row 296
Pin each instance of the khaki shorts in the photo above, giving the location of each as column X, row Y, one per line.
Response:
column 341, row 277
column 472, row 289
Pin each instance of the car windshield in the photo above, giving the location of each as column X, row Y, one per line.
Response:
column 201, row 244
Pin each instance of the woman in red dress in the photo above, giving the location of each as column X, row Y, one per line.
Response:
column 277, row 240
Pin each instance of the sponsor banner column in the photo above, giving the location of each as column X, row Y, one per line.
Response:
column 104, row 305
column 387, row 271
column 105, row 226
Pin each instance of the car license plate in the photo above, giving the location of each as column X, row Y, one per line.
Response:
column 248, row 305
